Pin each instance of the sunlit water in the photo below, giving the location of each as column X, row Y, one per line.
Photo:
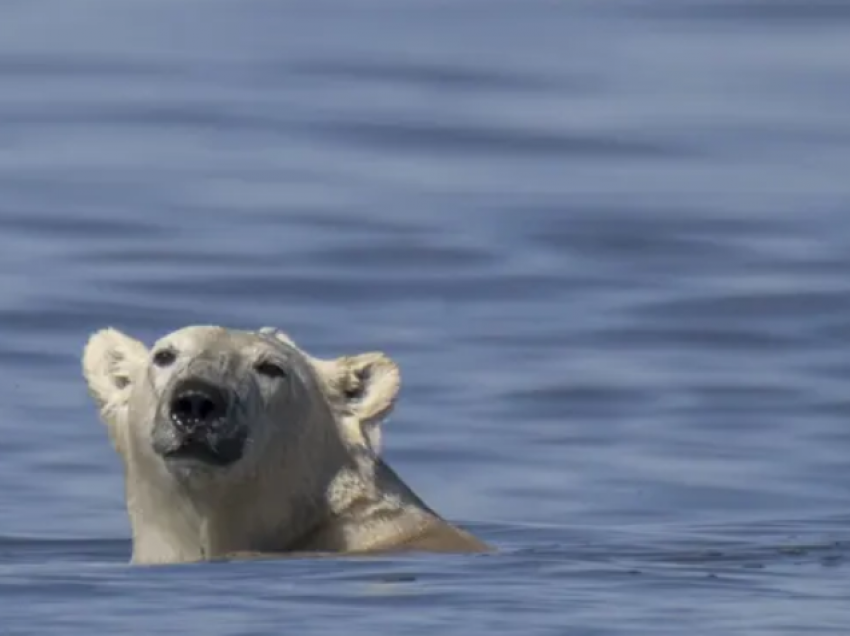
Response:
column 608, row 243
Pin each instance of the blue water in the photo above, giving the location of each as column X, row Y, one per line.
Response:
column 608, row 243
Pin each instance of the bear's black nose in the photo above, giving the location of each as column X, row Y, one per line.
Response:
column 197, row 404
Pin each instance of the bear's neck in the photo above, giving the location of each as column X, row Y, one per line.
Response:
column 171, row 522
column 364, row 506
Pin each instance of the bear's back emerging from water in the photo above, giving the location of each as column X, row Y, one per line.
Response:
column 239, row 442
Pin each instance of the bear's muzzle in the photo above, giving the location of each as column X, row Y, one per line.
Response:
column 198, row 414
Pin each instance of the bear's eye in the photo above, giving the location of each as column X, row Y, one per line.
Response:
column 164, row 357
column 270, row 369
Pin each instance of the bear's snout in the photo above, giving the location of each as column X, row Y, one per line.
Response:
column 196, row 404
column 198, row 425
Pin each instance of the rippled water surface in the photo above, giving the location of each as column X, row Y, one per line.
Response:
column 607, row 242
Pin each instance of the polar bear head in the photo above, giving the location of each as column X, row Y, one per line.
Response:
column 238, row 441
column 211, row 403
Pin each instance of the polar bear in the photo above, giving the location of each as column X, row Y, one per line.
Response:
column 239, row 443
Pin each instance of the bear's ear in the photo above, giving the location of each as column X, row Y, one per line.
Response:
column 110, row 361
column 368, row 385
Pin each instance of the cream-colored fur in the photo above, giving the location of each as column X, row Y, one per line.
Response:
column 310, row 478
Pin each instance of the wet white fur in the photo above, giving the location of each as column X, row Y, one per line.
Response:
column 311, row 478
